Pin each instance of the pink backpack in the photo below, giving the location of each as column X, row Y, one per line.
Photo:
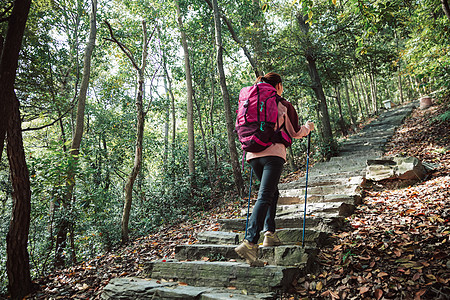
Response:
column 256, row 117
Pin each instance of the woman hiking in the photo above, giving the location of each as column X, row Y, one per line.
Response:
column 267, row 165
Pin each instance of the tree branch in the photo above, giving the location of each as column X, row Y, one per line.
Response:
column 237, row 40
column 52, row 123
column 122, row 46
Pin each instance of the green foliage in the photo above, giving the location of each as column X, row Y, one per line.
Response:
column 348, row 41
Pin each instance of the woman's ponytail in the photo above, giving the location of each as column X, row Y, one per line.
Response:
column 271, row 78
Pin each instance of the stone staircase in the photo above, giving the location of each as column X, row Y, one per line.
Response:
column 212, row 270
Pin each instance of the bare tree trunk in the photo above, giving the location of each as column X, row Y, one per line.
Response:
column 166, row 126
column 140, row 116
column 323, row 107
column 190, row 91
column 349, row 105
column 169, row 90
column 327, row 134
column 226, row 100
column 373, row 92
column 341, row 115
column 17, row 260
column 211, row 120
column 139, row 137
column 68, row 225
column 355, row 92
column 205, row 144
column 446, row 8
column 290, row 159
column 365, row 95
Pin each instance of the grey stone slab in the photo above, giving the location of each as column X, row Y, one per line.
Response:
column 321, row 221
column 209, row 251
column 322, row 181
column 291, row 255
column 180, row 292
column 234, row 296
column 218, row 237
column 132, row 288
column 406, row 168
column 226, row 274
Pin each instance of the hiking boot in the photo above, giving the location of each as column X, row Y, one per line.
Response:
column 247, row 252
column 271, row 239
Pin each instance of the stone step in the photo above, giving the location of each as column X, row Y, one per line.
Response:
column 322, row 181
column 285, row 255
column 218, row 237
column 367, row 139
column 288, row 236
column 126, row 288
column 325, row 222
column 225, row 274
column 350, row 189
column 328, row 169
column 361, row 153
column 343, row 209
column 289, row 197
column 332, row 164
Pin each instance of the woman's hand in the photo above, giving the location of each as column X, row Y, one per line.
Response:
column 310, row 125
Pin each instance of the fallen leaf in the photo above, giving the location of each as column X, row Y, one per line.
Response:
column 363, row 289
column 420, row 293
column 382, row 274
column 378, row 293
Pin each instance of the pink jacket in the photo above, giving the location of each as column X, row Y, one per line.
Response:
column 287, row 116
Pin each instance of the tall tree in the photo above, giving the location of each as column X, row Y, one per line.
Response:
column 17, row 262
column 140, row 115
column 189, row 94
column 226, row 101
column 316, row 85
column 67, row 223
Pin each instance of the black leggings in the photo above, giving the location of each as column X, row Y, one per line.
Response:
column 268, row 170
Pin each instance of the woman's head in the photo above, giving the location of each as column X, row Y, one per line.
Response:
column 273, row 79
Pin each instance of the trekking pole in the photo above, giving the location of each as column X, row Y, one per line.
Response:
column 306, row 188
column 248, row 207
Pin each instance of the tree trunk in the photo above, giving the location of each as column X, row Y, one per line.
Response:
column 190, row 91
column 365, row 95
column 4, row 114
column 349, row 105
column 211, row 120
column 75, row 147
column 166, row 126
column 290, row 159
column 17, row 264
column 258, row 35
column 235, row 37
column 169, row 90
column 226, row 101
column 446, row 8
column 355, row 92
column 205, row 144
column 341, row 116
column 139, row 138
column 373, row 92
column 17, row 259
column 316, row 85
column 323, row 107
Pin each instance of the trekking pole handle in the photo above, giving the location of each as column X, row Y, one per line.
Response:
column 308, row 145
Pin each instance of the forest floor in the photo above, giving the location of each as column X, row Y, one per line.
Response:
column 396, row 245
